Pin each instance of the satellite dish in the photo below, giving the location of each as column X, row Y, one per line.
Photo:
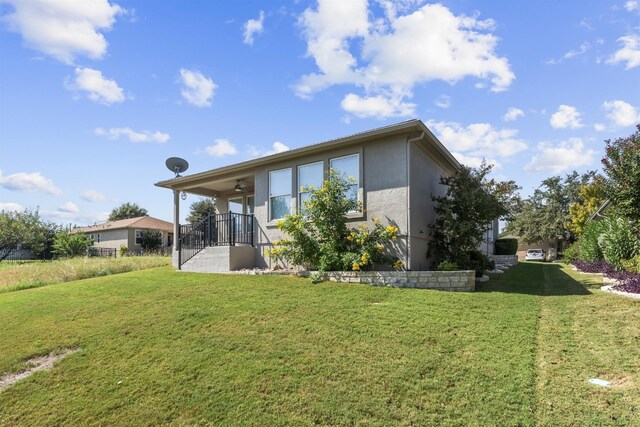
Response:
column 177, row 165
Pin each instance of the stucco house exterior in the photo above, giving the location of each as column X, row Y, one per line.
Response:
column 126, row 232
column 396, row 169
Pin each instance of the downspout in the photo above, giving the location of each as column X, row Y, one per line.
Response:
column 409, row 142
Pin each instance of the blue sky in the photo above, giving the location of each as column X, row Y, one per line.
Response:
column 95, row 95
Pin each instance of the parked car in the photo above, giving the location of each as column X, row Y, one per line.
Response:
column 534, row 255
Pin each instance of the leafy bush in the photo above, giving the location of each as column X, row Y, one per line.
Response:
column 151, row 240
column 475, row 260
column 447, row 266
column 506, row 246
column 319, row 238
column 572, row 252
column 617, row 241
column 631, row 265
column 589, row 249
column 69, row 245
column 123, row 250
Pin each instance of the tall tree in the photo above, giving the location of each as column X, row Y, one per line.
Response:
column 592, row 196
column 466, row 211
column 199, row 210
column 622, row 165
column 545, row 215
column 126, row 211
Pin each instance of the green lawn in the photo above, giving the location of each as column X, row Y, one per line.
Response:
column 159, row 347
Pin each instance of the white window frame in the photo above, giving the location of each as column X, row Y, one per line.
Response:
column 271, row 196
column 135, row 235
column 357, row 183
column 300, row 192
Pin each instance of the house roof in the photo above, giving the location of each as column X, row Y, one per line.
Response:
column 412, row 127
column 144, row 222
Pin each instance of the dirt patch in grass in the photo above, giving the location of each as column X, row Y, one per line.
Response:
column 35, row 364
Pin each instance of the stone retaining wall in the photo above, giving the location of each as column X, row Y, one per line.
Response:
column 463, row 281
column 505, row 259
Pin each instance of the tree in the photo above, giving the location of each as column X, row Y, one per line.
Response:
column 545, row 215
column 199, row 210
column 465, row 212
column 622, row 165
column 24, row 228
column 126, row 211
column 592, row 195
column 151, row 240
column 69, row 245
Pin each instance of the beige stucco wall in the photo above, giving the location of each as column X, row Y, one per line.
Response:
column 383, row 189
column 111, row 238
column 425, row 181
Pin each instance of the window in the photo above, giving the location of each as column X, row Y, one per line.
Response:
column 279, row 193
column 170, row 240
column 138, row 237
column 348, row 167
column 308, row 175
column 95, row 237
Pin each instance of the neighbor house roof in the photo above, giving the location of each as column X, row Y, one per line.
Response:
column 415, row 127
column 145, row 222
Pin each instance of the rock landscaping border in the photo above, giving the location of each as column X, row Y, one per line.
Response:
column 460, row 281
column 609, row 288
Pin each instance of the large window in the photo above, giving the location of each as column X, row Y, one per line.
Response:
column 138, row 237
column 279, row 193
column 349, row 168
column 308, row 175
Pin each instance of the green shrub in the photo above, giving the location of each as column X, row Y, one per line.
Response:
column 572, row 253
column 123, row 250
column 319, row 238
column 506, row 246
column 447, row 266
column 631, row 265
column 69, row 245
column 617, row 241
column 151, row 240
column 588, row 248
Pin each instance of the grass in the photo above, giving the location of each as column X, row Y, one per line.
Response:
column 20, row 275
column 160, row 347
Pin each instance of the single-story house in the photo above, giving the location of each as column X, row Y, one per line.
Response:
column 396, row 170
column 126, row 232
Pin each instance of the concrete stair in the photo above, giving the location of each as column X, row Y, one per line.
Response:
column 221, row 259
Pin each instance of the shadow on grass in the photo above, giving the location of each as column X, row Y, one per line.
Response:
column 534, row 278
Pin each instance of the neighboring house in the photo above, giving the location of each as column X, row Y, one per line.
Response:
column 396, row 170
column 126, row 232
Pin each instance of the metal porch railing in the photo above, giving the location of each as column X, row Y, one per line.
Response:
column 227, row 229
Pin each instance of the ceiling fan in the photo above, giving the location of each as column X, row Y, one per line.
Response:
column 239, row 188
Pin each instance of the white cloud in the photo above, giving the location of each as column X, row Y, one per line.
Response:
column 478, row 139
column 566, row 117
column 93, row 196
column 253, row 27
column 444, row 102
column 197, row 90
column 475, row 162
column 276, row 147
column 599, row 127
column 11, row 207
column 132, row 135
column 621, row 113
column 96, row 86
column 629, row 53
column 69, row 207
column 221, row 147
column 632, row 5
column 512, row 114
column 29, row 182
column 376, row 106
column 584, row 47
column 396, row 53
column 75, row 217
column 63, row 29
column 569, row 154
